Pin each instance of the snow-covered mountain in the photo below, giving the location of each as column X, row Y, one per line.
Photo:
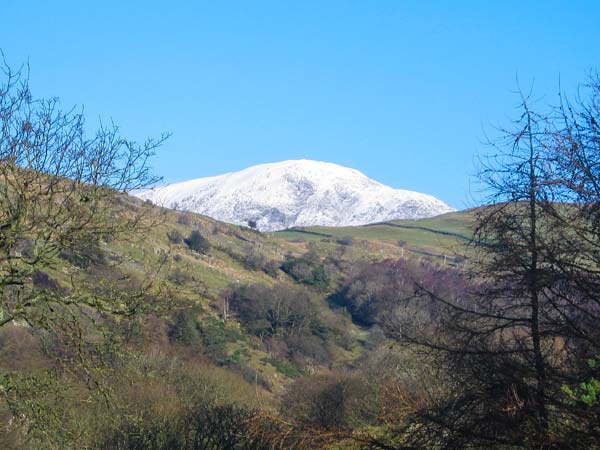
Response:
column 296, row 193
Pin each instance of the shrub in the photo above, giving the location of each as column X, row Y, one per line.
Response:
column 44, row 281
column 271, row 268
column 197, row 243
column 174, row 237
column 206, row 426
column 269, row 311
column 330, row 402
column 309, row 346
column 346, row 240
column 306, row 271
column 252, row 375
column 215, row 336
column 185, row 329
column 252, row 259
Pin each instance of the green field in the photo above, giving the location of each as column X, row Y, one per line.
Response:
column 435, row 237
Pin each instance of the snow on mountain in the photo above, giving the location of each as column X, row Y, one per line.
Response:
column 296, row 193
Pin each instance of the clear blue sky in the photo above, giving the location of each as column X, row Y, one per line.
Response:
column 401, row 90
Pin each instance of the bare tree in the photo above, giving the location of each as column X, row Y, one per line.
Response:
column 528, row 323
column 61, row 194
column 60, row 190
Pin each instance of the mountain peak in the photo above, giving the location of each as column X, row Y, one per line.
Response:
column 296, row 193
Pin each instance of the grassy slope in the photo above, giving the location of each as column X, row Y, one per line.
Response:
column 199, row 280
column 205, row 276
column 202, row 277
column 435, row 237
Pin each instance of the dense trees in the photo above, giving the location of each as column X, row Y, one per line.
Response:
column 272, row 311
column 285, row 319
column 206, row 427
column 331, row 401
column 307, row 270
column 377, row 290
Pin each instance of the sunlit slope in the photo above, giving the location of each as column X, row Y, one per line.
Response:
column 444, row 235
column 237, row 255
column 234, row 256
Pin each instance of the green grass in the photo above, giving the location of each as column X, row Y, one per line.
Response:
column 434, row 237
column 284, row 368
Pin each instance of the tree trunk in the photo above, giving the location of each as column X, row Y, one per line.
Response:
column 534, row 287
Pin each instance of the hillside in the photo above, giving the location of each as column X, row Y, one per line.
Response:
column 227, row 306
column 240, row 256
column 237, row 256
column 436, row 237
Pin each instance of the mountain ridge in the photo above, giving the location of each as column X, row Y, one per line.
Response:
column 296, row 193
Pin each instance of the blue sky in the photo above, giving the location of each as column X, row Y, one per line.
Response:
column 400, row 90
